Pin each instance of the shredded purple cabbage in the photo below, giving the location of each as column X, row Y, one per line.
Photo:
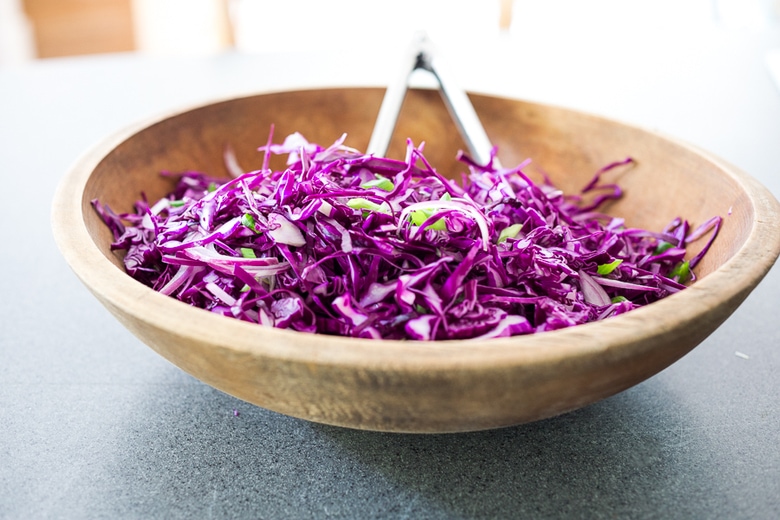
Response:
column 350, row 244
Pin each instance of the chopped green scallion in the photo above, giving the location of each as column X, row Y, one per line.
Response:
column 608, row 268
column 419, row 217
column 361, row 203
column 662, row 246
column 249, row 221
column 682, row 272
column 383, row 183
column 509, row 232
column 247, row 252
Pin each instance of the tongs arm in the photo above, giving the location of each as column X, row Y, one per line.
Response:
column 423, row 55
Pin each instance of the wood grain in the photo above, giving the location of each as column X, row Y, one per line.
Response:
column 412, row 386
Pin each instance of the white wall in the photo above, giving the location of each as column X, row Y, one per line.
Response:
column 182, row 27
column 16, row 44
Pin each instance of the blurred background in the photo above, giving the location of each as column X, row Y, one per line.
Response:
column 43, row 29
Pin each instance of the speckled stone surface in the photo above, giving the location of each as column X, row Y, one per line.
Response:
column 93, row 424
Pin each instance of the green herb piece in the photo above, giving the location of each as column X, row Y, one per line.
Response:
column 247, row 252
column 361, row 203
column 608, row 268
column 662, row 246
column 419, row 217
column 249, row 221
column 509, row 232
column 681, row 271
column 383, row 183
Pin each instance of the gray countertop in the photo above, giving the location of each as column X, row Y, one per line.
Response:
column 93, row 424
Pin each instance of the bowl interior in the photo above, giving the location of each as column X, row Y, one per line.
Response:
column 416, row 386
column 667, row 181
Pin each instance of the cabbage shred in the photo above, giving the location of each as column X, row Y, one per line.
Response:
column 350, row 244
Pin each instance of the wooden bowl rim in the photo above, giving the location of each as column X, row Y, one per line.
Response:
column 618, row 336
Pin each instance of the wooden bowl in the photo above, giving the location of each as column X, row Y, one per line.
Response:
column 407, row 386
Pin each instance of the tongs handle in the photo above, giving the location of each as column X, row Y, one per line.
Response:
column 423, row 55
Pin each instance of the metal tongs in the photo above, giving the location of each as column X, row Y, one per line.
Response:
column 423, row 55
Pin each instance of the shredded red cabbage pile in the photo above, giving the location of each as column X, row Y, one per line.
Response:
column 350, row 244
